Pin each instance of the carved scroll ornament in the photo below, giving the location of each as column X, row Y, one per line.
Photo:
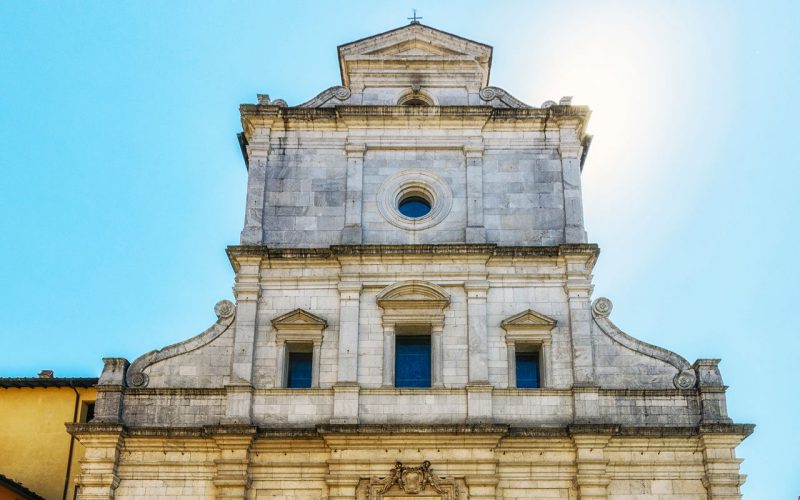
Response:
column 684, row 379
column 412, row 481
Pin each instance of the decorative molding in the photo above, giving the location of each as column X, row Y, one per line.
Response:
column 528, row 320
column 497, row 94
column 415, row 182
column 413, row 294
column 226, row 313
column 411, row 481
column 337, row 92
column 299, row 326
column 686, row 378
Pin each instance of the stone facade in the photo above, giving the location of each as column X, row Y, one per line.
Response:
column 499, row 265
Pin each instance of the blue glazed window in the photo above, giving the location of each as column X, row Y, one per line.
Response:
column 528, row 370
column 414, row 207
column 412, row 367
column 299, row 373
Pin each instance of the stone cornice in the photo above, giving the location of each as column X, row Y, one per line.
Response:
column 546, row 431
column 339, row 117
column 237, row 252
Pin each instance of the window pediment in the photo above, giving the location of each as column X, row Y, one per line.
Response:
column 299, row 326
column 528, row 325
column 413, row 294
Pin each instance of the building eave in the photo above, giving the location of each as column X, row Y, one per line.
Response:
column 32, row 382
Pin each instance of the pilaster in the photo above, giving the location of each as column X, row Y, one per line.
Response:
column 592, row 477
column 98, row 479
column 437, row 355
column 722, row 479
column 483, row 487
column 388, row 355
column 578, row 287
column 713, row 404
column 110, row 391
column 571, row 151
column 257, row 153
column 476, row 233
column 231, row 477
column 349, row 304
column 247, row 291
column 352, row 234
column 477, row 292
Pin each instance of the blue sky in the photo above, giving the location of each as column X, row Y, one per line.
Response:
column 122, row 181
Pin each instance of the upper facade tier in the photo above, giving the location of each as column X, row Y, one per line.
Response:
column 414, row 147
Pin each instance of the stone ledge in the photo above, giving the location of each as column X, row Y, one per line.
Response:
column 743, row 430
column 489, row 250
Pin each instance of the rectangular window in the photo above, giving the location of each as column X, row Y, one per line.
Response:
column 527, row 369
column 299, row 370
column 412, row 367
column 87, row 411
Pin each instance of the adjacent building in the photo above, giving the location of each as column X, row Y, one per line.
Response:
column 37, row 458
column 413, row 316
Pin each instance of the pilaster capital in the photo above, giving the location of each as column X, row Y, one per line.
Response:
column 474, row 149
column 355, row 150
column 350, row 290
column 570, row 150
column 476, row 289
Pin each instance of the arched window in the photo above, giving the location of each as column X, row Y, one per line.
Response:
column 415, row 98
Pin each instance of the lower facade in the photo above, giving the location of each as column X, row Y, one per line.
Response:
column 371, row 462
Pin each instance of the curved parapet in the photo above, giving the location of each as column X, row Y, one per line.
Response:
column 338, row 92
column 497, row 96
column 686, row 378
column 226, row 313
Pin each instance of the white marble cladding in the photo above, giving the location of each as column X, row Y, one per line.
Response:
column 480, row 283
column 317, row 192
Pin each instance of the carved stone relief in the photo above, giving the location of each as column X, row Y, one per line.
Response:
column 412, row 482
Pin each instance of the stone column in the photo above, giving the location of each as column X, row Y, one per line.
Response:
column 476, row 233
column 722, row 479
column 231, row 478
column 571, row 151
column 258, row 153
column 98, row 479
column 354, row 194
column 437, row 355
column 388, row 355
column 345, row 392
column 592, row 478
column 247, row 291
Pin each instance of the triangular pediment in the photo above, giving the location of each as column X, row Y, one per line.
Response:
column 416, row 47
column 408, row 50
column 299, row 318
column 528, row 319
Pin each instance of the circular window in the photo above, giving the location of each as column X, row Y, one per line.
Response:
column 414, row 199
column 414, row 207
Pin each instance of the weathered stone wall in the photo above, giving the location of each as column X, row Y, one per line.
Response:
column 489, row 462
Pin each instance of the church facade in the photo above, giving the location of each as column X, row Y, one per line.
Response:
column 413, row 317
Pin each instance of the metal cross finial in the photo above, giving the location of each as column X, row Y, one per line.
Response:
column 414, row 19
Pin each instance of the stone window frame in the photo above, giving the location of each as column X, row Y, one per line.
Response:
column 294, row 330
column 415, row 94
column 414, row 182
column 413, row 304
column 534, row 331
